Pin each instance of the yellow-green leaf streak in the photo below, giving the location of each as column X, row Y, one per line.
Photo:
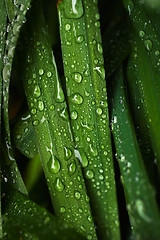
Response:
column 87, row 97
column 52, row 128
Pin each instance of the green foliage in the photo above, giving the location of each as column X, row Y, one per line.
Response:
column 79, row 119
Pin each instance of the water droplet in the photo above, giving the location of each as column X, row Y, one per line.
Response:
column 99, row 48
column 141, row 34
column 89, row 174
column 76, row 98
column 16, row 28
column 99, row 111
column 87, row 72
column 97, row 24
column 29, row 82
column 88, row 126
column 37, row 91
column 41, row 71
column 62, row 209
column 40, row 106
column 67, row 153
column 73, row 9
column 141, row 211
column 49, row 74
column 51, row 107
column 34, row 111
column 77, row 195
column 59, row 92
column 79, row 39
column 67, row 27
column 64, row 113
column 77, row 77
column 97, row 16
column 148, row 45
column 53, row 165
column 104, row 104
column 74, row 115
column 35, row 123
column 81, row 155
column 68, row 43
column 93, row 150
column 100, row 70
column 58, row 185
column 129, row 5
column 157, row 53
column 6, row 72
column 72, row 168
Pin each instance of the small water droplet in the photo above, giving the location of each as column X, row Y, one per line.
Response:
column 37, row 91
column 77, row 195
column 71, row 168
column 77, row 98
column 97, row 16
column 89, row 174
column 77, row 77
column 79, row 39
column 99, row 48
column 41, row 71
column 100, row 70
column 6, row 72
column 67, row 153
column 34, row 111
column 51, row 107
column 74, row 115
column 97, row 24
column 49, row 74
column 99, row 111
column 67, row 27
column 148, row 45
column 157, row 53
column 40, row 106
column 53, row 165
column 93, row 150
column 64, row 113
column 62, row 209
column 58, row 185
column 141, row 34
column 35, row 123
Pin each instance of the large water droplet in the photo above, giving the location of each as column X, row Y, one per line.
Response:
column 141, row 34
column 80, row 154
column 76, row 98
column 37, row 91
column 71, row 168
column 35, row 122
column 73, row 8
column 53, row 165
column 99, row 111
column 93, row 150
column 148, row 45
column 129, row 5
column 89, row 174
column 100, row 70
column 88, row 126
column 67, row 153
column 58, row 185
column 77, row 77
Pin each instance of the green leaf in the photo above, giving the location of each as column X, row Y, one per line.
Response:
column 52, row 127
column 87, row 100
column 24, row 219
column 140, row 195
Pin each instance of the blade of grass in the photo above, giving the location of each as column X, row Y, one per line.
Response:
column 87, row 100
column 140, row 195
column 3, row 28
column 52, row 127
column 25, row 219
